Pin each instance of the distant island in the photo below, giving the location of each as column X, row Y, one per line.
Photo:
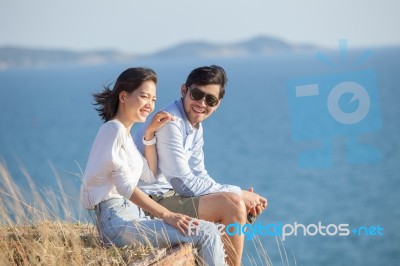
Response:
column 14, row 57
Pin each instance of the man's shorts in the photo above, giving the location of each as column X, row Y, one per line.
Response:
column 177, row 203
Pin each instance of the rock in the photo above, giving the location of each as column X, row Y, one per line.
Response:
column 182, row 255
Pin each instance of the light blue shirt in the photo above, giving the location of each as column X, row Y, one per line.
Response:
column 180, row 158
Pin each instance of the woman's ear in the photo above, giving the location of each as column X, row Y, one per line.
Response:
column 122, row 96
column 183, row 90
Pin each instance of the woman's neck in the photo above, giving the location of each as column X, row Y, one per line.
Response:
column 127, row 124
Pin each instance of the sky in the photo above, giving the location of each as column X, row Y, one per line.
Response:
column 143, row 27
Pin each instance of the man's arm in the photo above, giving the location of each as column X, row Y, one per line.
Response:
column 174, row 164
column 157, row 122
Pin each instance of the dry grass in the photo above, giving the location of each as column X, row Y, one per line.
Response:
column 60, row 244
column 32, row 232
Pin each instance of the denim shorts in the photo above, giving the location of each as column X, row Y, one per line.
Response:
column 122, row 223
column 114, row 217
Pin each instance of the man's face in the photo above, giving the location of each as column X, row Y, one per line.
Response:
column 198, row 111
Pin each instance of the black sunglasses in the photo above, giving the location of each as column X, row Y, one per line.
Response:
column 196, row 95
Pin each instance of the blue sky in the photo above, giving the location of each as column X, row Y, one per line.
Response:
column 146, row 26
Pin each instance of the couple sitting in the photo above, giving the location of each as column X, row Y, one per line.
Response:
column 172, row 173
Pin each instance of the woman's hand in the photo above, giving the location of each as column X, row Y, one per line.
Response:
column 158, row 121
column 179, row 221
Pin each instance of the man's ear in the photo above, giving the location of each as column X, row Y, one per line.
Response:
column 183, row 90
column 216, row 107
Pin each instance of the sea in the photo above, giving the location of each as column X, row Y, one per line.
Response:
column 317, row 134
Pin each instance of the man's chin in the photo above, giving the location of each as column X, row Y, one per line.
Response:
column 197, row 120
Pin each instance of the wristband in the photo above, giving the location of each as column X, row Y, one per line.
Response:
column 149, row 142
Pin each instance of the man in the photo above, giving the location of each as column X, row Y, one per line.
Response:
column 183, row 184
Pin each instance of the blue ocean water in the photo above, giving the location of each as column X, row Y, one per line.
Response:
column 47, row 119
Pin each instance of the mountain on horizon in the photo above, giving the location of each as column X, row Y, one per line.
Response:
column 261, row 45
column 14, row 57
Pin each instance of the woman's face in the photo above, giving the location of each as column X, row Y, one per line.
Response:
column 138, row 104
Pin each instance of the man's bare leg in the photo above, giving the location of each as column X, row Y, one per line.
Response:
column 226, row 208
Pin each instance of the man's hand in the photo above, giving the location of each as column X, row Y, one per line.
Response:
column 255, row 204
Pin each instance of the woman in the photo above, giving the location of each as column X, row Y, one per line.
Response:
column 115, row 166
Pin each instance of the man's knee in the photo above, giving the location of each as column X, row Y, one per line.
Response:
column 231, row 206
column 222, row 206
column 236, row 203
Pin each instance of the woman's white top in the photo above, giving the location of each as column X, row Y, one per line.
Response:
column 114, row 166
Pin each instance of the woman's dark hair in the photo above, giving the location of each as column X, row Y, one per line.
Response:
column 208, row 75
column 129, row 80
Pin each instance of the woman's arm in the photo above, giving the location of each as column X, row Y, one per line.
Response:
column 179, row 221
column 150, row 152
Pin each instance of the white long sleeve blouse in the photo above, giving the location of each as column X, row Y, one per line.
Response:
column 114, row 166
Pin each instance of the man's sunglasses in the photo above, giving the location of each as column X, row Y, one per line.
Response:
column 196, row 95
